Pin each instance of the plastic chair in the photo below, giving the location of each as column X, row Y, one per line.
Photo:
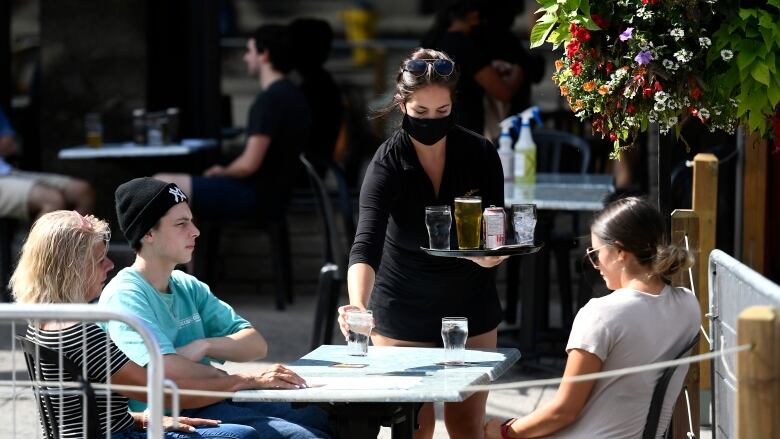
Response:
column 659, row 393
column 332, row 271
column 43, row 394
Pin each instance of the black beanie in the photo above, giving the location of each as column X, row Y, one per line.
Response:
column 141, row 202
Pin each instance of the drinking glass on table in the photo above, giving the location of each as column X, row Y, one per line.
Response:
column 468, row 221
column 438, row 220
column 360, row 323
column 93, row 128
column 454, row 332
column 524, row 223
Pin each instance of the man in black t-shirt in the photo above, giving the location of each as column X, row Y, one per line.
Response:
column 260, row 179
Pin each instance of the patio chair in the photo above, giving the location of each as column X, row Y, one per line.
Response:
column 659, row 394
column 43, row 394
column 332, row 272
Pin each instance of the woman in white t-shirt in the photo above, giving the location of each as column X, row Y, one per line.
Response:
column 644, row 320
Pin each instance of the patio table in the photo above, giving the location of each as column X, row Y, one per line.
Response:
column 391, row 387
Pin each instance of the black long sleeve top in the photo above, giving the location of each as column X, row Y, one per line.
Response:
column 391, row 229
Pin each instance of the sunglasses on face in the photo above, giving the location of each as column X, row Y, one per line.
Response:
column 593, row 255
column 419, row 67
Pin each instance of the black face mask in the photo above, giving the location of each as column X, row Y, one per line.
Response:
column 427, row 131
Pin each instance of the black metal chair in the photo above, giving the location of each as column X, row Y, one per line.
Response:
column 331, row 274
column 43, row 393
column 659, row 393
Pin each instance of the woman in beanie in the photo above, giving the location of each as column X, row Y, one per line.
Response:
column 644, row 320
column 64, row 260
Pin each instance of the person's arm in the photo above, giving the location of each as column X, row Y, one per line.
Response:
column 274, row 377
column 248, row 162
column 245, row 345
column 494, row 85
column 7, row 146
column 567, row 403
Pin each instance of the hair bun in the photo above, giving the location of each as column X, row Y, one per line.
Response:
column 670, row 260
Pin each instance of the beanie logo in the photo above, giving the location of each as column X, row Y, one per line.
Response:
column 178, row 195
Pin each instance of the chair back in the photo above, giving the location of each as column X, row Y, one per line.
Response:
column 51, row 428
column 325, row 209
column 659, row 394
column 550, row 146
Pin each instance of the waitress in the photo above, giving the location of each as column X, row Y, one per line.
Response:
column 428, row 161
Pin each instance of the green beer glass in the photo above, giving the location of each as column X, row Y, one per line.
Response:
column 468, row 221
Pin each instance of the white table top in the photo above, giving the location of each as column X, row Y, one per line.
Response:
column 392, row 374
column 129, row 149
column 580, row 192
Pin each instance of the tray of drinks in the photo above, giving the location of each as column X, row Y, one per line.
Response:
column 504, row 250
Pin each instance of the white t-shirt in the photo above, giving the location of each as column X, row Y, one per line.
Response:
column 631, row 328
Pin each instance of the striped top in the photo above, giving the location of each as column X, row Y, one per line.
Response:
column 104, row 359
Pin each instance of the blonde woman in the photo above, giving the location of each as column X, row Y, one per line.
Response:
column 64, row 260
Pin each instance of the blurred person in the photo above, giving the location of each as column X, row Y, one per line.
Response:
column 453, row 33
column 430, row 160
column 312, row 39
column 261, row 178
column 192, row 326
column 26, row 195
column 644, row 320
column 65, row 260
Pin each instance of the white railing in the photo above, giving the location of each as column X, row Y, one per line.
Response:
column 13, row 313
column 733, row 287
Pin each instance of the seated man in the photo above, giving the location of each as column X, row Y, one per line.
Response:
column 261, row 178
column 191, row 325
column 28, row 195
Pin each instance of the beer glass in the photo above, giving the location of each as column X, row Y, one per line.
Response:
column 360, row 324
column 468, row 221
column 438, row 220
column 93, row 127
column 524, row 223
column 454, row 332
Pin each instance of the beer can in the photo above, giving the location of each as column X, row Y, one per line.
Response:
column 494, row 227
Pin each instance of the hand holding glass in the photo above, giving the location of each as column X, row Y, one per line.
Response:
column 360, row 324
column 454, row 332
column 438, row 220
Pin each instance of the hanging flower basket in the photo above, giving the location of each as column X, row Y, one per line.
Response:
column 628, row 63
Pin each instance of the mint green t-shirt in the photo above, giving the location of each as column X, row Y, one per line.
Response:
column 189, row 311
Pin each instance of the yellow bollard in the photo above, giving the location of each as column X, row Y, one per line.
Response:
column 360, row 26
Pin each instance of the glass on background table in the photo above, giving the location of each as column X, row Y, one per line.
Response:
column 387, row 386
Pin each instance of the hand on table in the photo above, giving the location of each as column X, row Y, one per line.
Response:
column 214, row 171
column 343, row 325
column 277, row 377
column 486, row 261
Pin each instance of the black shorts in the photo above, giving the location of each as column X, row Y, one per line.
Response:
column 403, row 321
column 223, row 198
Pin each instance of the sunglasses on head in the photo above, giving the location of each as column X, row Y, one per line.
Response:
column 593, row 255
column 419, row 67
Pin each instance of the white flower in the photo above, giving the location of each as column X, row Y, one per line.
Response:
column 672, row 120
column 629, row 92
column 704, row 113
column 560, row 2
column 661, row 96
column 643, row 13
column 705, row 42
column 726, row 54
column 683, row 55
column 677, row 33
column 659, row 106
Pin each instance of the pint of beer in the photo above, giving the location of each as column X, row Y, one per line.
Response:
column 468, row 221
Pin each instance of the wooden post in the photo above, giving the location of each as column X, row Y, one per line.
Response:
column 758, row 373
column 754, row 203
column 686, row 222
column 705, row 204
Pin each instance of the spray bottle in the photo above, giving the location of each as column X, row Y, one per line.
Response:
column 525, row 148
column 506, row 154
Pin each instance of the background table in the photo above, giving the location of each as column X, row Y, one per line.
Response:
column 551, row 193
column 129, row 150
column 390, row 389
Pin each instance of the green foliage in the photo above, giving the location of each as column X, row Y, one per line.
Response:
column 753, row 35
